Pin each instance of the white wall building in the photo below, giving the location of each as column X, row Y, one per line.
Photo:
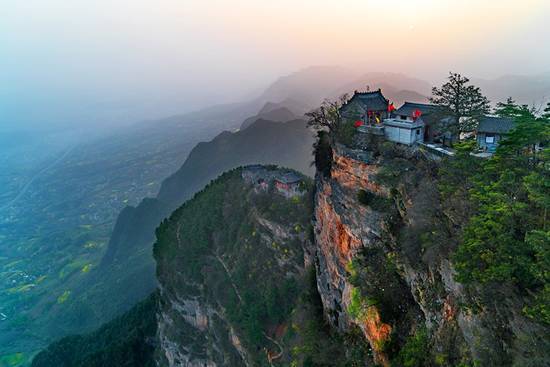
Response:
column 404, row 131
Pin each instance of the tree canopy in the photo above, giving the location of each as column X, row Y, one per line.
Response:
column 327, row 116
column 511, row 109
column 507, row 239
column 462, row 101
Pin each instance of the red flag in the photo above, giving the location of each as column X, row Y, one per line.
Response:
column 358, row 123
column 416, row 114
column 391, row 107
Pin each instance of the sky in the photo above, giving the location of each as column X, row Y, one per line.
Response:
column 118, row 61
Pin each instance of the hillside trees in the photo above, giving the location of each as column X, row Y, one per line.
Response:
column 507, row 240
column 128, row 340
column 462, row 101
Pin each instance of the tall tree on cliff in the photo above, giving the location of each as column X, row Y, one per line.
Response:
column 463, row 102
column 327, row 116
column 328, row 122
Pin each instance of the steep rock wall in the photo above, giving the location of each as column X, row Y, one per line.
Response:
column 384, row 266
column 342, row 230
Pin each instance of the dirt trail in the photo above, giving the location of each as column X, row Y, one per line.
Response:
column 229, row 276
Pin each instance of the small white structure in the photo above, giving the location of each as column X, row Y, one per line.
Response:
column 404, row 131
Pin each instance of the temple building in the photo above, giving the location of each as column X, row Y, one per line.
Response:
column 265, row 178
column 406, row 124
column 412, row 123
column 491, row 130
column 289, row 185
column 368, row 107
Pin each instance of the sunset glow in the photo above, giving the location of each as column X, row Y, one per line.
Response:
column 95, row 50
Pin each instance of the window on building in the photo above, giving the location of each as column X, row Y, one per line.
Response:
column 417, row 131
column 489, row 138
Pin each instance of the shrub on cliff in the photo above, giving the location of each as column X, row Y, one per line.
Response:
column 323, row 153
column 415, row 352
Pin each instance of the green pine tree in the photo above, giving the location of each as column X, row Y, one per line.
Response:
column 463, row 102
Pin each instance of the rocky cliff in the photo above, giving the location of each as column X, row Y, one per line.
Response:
column 383, row 240
column 236, row 271
column 231, row 263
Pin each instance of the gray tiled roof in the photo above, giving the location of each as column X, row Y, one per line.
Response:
column 374, row 101
column 408, row 108
column 499, row 125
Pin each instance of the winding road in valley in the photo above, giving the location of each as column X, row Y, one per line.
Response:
column 33, row 178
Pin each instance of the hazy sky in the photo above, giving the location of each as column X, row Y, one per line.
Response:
column 122, row 60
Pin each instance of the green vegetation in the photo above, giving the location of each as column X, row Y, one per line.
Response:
column 376, row 202
column 346, row 133
column 222, row 245
column 11, row 360
column 358, row 304
column 364, row 197
column 124, row 341
column 463, row 102
column 322, row 151
column 506, row 238
column 55, row 182
column 64, row 297
column 415, row 352
column 315, row 342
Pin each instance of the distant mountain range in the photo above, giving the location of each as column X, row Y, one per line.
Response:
column 278, row 114
column 312, row 85
column 305, row 89
column 531, row 90
column 126, row 273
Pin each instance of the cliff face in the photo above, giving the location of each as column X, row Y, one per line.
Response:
column 230, row 264
column 383, row 242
